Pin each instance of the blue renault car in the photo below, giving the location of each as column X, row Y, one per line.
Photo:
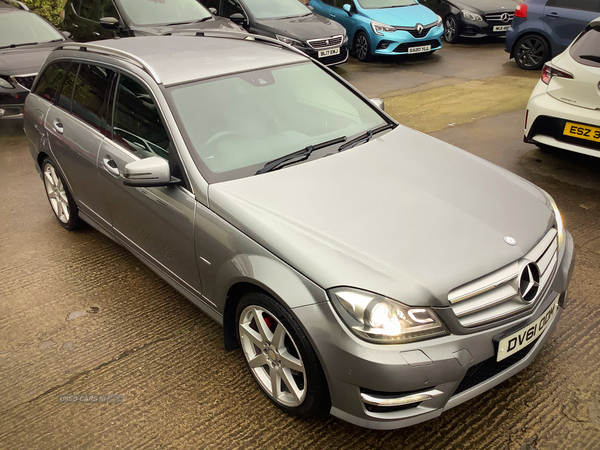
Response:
column 384, row 27
column 542, row 29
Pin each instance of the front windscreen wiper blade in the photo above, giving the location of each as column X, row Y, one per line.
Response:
column 365, row 137
column 590, row 57
column 19, row 45
column 204, row 19
column 303, row 155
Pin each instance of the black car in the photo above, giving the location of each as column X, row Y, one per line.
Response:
column 290, row 22
column 26, row 40
column 473, row 18
column 89, row 20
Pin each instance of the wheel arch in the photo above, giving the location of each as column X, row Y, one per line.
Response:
column 531, row 33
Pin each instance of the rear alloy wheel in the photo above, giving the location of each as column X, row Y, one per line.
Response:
column 60, row 198
column 362, row 47
column 280, row 357
column 531, row 52
column 451, row 33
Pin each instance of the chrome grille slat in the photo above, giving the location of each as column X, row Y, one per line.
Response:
column 495, row 18
column 334, row 41
column 25, row 81
column 495, row 296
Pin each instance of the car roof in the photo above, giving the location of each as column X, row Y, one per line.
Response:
column 180, row 59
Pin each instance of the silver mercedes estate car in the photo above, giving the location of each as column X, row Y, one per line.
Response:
column 363, row 268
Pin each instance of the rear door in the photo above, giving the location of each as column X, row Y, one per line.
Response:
column 568, row 18
column 157, row 222
column 73, row 126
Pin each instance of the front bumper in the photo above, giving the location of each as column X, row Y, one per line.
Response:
column 453, row 368
column 399, row 42
column 12, row 102
column 472, row 28
column 546, row 120
column 333, row 60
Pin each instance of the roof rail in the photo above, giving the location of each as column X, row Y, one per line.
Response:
column 240, row 35
column 102, row 50
column 21, row 5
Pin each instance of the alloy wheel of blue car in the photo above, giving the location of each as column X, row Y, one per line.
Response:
column 531, row 52
column 361, row 47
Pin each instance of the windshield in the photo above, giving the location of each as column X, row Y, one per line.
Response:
column 374, row 4
column 271, row 9
column 163, row 12
column 19, row 27
column 237, row 123
column 586, row 49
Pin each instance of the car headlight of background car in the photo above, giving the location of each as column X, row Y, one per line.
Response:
column 559, row 225
column 290, row 41
column 382, row 320
column 471, row 15
column 5, row 84
column 439, row 21
column 379, row 28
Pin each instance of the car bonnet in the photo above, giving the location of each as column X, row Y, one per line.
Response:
column 404, row 16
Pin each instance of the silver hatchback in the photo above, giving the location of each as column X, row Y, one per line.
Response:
column 363, row 268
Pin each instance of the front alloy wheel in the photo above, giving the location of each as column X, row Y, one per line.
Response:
column 450, row 30
column 361, row 47
column 531, row 53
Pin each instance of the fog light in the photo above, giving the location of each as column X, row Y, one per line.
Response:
column 383, row 45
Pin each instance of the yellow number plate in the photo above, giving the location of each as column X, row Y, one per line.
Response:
column 582, row 132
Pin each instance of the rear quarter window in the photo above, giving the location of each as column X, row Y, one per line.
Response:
column 50, row 80
column 586, row 49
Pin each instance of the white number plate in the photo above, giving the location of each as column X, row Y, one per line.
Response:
column 522, row 338
column 330, row 52
column 421, row 49
column 501, row 28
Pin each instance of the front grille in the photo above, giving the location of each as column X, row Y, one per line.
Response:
column 403, row 48
column 489, row 368
column 334, row 41
column 25, row 81
column 495, row 296
column 414, row 33
column 335, row 59
column 496, row 18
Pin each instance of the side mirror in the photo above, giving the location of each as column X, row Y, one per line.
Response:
column 148, row 172
column 238, row 18
column 379, row 103
column 66, row 34
column 347, row 8
column 310, row 7
column 213, row 11
column 110, row 23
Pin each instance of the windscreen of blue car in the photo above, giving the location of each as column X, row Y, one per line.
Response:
column 237, row 123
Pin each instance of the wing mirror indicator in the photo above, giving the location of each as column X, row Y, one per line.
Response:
column 148, row 172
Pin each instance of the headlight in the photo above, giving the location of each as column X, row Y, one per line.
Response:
column 559, row 225
column 378, row 319
column 471, row 15
column 345, row 39
column 379, row 28
column 290, row 41
column 439, row 21
column 5, row 84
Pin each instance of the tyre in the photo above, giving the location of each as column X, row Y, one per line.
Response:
column 362, row 47
column 451, row 30
column 531, row 52
column 61, row 200
column 280, row 356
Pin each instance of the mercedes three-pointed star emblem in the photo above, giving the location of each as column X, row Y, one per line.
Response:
column 529, row 282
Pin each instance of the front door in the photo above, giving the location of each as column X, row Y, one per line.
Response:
column 155, row 222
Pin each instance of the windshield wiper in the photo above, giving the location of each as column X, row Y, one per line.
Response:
column 303, row 154
column 364, row 137
column 19, row 45
column 204, row 19
column 590, row 57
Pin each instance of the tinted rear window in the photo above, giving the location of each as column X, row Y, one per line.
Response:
column 586, row 49
column 66, row 92
column 583, row 5
column 49, row 82
column 90, row 99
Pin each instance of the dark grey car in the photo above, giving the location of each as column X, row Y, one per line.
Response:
column 364, row 269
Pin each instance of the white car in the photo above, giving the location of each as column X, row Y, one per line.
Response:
column 564, row 109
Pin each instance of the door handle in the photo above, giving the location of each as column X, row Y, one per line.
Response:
column 110, row 166
column 58, row 126
column 332, row 16
column 95, row 33
column 553, row 15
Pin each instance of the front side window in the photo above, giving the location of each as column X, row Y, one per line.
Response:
column 106, row 8
column 136, row 123
column 88, row 9
column 376, row 4
column 230, row 7
column 163, row 12
column 66, row 92
column 237, row 123
column 586, row 49
column 50, row 80
column 18, row 28
column 272, row 9
column 90, row 98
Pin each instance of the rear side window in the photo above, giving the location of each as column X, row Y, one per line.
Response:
column 230, row 7
column 87, row 9
column 586, row 49
column 106, row 8
column 137, row 123
column 90, row 98
column 583, row 5
column 50, row 80
column 66, row 92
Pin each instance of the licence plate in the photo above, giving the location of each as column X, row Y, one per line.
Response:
column 421, row 49
column 330, row 52
column 522, row 338
column 582, row 132
column 501, row 28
